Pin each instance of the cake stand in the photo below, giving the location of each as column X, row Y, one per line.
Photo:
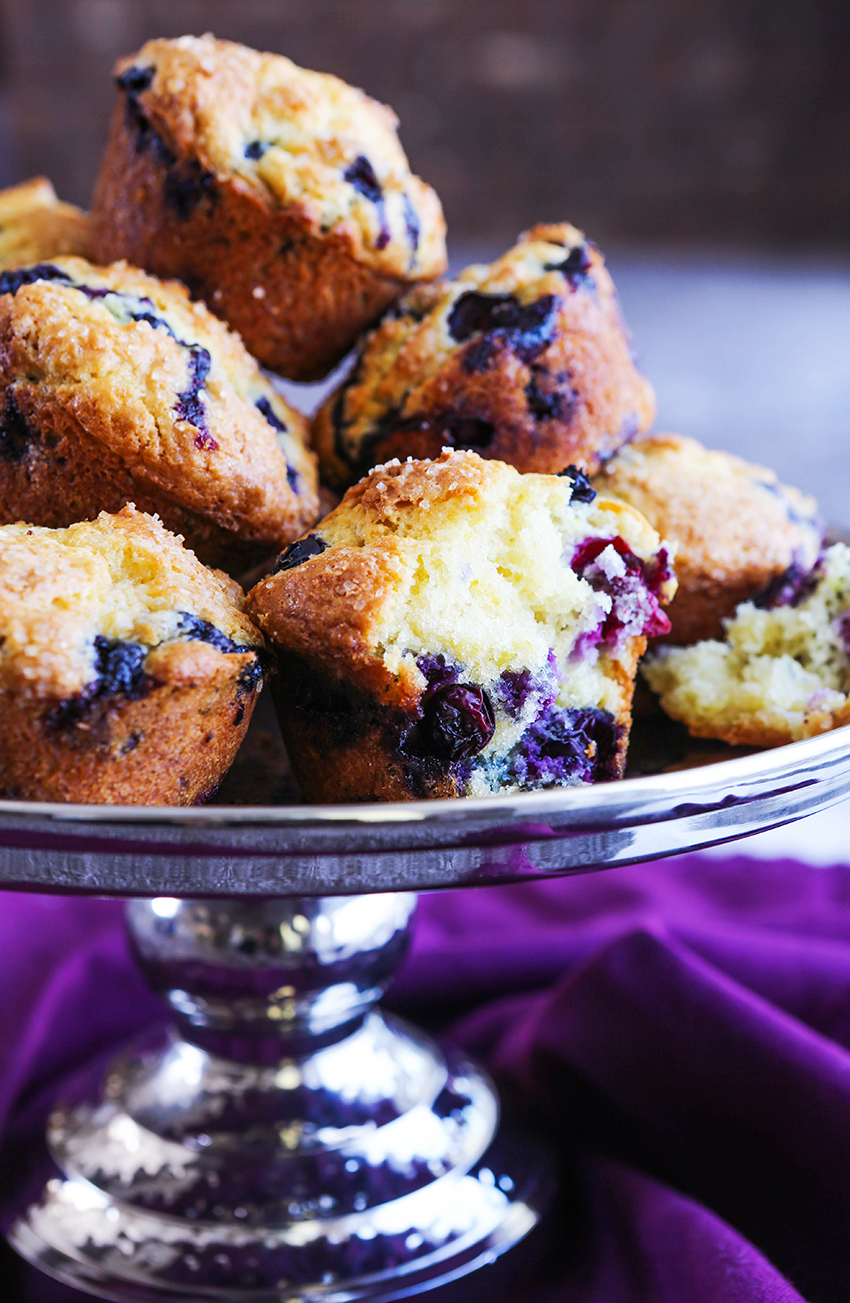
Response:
column 286, row 1140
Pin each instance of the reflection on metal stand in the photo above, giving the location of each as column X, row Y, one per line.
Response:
column 288, row 1141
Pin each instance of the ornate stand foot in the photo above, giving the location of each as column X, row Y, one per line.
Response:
column 288, row 1142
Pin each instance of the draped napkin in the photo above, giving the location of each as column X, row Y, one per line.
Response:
column 681, row 1030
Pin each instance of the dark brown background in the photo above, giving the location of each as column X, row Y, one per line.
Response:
column 725, row 121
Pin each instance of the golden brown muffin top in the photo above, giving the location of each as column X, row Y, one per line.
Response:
column 416, row 338
column 123, row 578
column 164, row 385
column 293, row 137
column 35, row 225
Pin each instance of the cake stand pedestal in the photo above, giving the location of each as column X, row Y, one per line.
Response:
column 286, row 1141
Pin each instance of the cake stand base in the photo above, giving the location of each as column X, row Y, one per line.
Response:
column 287, row 1141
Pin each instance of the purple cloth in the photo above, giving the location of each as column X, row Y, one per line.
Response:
column 682, row 1027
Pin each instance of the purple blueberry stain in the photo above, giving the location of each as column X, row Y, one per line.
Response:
column 437, row 670
column 299, row 552
column 789, row 588
column 575, row 268
column 119, row 671
column 582, row 489
column 190, row 405
column 546, row 403
column 12, row 281
column 514, row 688
column 361, row 175
column 186, row 183
column 133, row 81
column 411, row 224
column 525, row 329
column 578, row 745
column 263, row 405
column 633, row 586
column 16, row 434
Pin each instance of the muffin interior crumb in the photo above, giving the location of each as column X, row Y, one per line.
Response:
column 783, row 672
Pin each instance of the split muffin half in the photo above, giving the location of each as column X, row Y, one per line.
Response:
column 456, row 628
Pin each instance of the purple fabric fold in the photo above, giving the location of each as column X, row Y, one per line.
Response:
column 681, row 1029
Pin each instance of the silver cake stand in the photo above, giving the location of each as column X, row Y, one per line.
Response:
column 286, row 1140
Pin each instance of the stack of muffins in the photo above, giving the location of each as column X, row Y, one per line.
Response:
column 470, row 617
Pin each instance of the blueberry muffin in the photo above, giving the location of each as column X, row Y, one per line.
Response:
column 455, row 628
column 526, row 361
column 35, row 225
column 115, row 388
column 735, row 526
column 781, row 673
column 128, row 671
column 281, row 196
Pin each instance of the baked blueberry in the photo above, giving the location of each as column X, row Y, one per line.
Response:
column 299, row 552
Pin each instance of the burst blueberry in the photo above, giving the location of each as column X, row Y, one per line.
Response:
column 299, row 552
column 361, row 175
column 575, row 266
column 526, row 329
column 789, row 588
column 263, row 405
column 457, row 721
column 119, row 671
column 12, row 281
column 583, row 490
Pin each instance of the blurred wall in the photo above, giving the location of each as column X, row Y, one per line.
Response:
column 721, row 121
